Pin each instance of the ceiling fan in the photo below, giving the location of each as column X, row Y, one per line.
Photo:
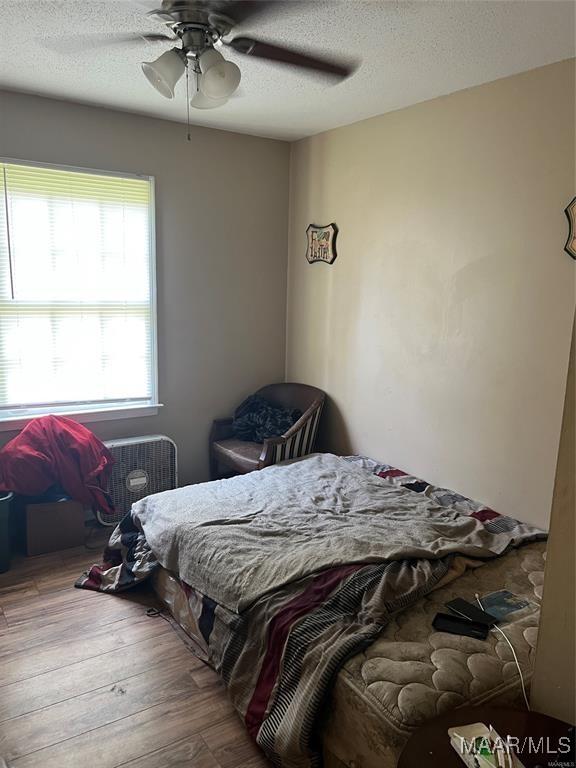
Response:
column 196, row 28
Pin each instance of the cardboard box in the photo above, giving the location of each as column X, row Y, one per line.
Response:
column 54, row 525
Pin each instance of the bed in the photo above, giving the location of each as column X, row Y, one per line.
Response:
column 310, row 587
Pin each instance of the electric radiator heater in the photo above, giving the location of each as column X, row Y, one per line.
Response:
column 143, row 465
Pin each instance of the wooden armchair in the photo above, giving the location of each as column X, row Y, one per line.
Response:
column 230, row 456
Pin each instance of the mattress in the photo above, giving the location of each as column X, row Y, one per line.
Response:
column 412, row 673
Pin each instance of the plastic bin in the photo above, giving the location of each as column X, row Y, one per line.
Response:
column 5, row 548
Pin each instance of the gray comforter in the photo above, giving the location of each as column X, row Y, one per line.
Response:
column 239, row 541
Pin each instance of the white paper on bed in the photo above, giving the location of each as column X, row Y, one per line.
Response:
column 235, row 540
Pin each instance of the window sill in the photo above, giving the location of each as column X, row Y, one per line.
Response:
column 14, row 423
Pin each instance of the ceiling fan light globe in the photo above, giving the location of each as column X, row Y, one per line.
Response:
column 221, row 80
column 165, row 72
column 200, row 101
column 210, row 58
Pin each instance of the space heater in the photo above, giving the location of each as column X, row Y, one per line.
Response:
column 142, row 466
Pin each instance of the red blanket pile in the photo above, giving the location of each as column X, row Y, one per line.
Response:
column 56, row 451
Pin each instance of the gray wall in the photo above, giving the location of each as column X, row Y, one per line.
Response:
column 221, row 242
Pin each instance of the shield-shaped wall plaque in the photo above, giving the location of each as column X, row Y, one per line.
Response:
column 570, row 212
column 321, row 243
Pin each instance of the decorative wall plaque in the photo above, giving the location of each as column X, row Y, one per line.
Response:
column 321, row 243
column 570, row 212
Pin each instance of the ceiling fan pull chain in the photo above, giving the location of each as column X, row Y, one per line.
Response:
column 188, row 100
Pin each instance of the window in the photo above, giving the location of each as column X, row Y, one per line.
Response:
column 77, row 291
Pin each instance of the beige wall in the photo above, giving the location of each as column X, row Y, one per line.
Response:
column 442, row 330
column 221, row 220
column 553, row 689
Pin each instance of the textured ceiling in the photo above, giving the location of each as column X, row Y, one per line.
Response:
column 411, row 51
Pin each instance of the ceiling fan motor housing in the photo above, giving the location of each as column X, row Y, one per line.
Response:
column 196, row 24
column 195, row 38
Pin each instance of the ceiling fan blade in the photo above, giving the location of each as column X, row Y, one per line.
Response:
column 80, row 43
column 291, row 56
column 151, row 38
column 243, row 11
column 239, row 11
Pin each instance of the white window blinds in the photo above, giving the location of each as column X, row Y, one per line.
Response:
column 77, row 320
